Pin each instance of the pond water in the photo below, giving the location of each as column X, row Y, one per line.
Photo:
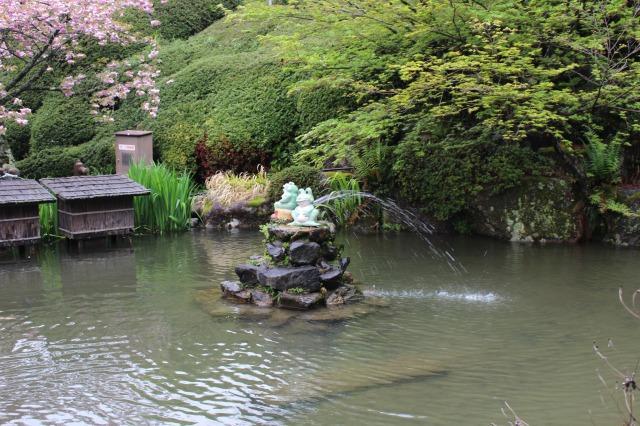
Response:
column 137, row 336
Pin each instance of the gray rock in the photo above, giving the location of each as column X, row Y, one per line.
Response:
column 331, row 277
column 344, row 263
column 195, row 222
column 306, row 277
column 230, row 287
column 304, row 253
column 276, row 251
column 344, row 295
column 233, row 290
column 299, row 301
column 329, row 252
column 248, row 274
column 325, row 232
column 261, row 298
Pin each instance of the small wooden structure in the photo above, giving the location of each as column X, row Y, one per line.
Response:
column 19, row 214
column 133, row 146
column 94, row 206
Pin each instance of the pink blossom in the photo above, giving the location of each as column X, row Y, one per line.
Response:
column 41, row 33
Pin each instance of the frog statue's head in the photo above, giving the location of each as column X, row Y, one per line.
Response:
column 305, row 197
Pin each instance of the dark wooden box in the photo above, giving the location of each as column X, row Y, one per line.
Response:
column 19, row 225
column 95, row 206
column 19, row 213
column 95, row 217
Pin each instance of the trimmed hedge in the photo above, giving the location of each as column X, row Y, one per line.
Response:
column 62, row 122
column 302, row 176
column 181, row 19
column 98, row 155
column 238, row 101
column 18, row 139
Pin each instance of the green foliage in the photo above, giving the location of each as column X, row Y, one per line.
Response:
column 359, row 139
column 320, row 100
column 604, row 162
column 18, row 139
column 296, row 290
column 97, row 155
column 168, row 207
column 62, row 122
column 606, row 202
column 447, row 179
column 302, row 176
column 184, row 18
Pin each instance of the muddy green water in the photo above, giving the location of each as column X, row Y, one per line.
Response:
column 123, row 337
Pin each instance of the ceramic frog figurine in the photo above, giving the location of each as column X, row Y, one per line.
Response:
column 305, row 214
column 288, row 199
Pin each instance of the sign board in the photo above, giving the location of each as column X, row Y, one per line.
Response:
column 122, row 147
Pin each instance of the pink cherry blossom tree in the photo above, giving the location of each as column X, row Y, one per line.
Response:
column 48, row 36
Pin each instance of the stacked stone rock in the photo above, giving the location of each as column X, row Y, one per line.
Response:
column 300, row 270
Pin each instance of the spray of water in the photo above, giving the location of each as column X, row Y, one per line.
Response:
column 408, row 217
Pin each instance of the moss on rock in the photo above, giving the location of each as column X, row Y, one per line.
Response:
column 540, row 209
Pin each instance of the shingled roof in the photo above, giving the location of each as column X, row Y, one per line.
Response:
column 83, row 187
column 23, row 191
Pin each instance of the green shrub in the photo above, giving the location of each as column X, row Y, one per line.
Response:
column 18, row 138
column 317, row 101
column 168, row 208
column 98, row 155
column 302, row 176
column 184, row 18
column 62, row 122
column 240, row 103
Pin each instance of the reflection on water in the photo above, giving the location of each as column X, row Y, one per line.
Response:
column 139, row 336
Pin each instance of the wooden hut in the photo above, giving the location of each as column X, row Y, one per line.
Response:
column 95, row 206
column 19, row 214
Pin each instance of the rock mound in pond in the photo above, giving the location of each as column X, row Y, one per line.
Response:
column 296, row 271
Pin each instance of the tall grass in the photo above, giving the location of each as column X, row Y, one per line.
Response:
column 228, row 188
column 49, row 220
column 168, row 207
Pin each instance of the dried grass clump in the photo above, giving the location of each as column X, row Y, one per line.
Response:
column 227, row 188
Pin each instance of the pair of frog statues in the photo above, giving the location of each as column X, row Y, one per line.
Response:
column 296, row 205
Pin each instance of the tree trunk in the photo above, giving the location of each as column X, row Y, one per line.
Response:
column 6, row 158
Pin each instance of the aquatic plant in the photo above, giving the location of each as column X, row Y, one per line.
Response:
column 625, row 384
column 49, row 220
column 344, row 210
column 168, row 207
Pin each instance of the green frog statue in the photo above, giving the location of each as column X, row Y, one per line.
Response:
column 287, row 202
column 305, row 214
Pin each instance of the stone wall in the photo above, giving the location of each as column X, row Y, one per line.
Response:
column 624, row 231
column 541, row 209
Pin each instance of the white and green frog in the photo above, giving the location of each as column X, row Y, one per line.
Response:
column 305, row 214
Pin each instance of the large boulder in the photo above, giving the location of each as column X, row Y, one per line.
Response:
column 281, row 279
column 304, row 253
column 300, row 301
column 248, row 274
column 540, row 209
